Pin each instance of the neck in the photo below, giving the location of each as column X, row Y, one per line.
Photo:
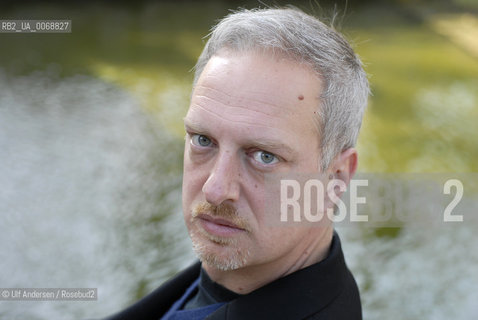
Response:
column 249, row 278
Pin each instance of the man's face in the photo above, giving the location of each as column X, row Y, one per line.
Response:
column 250, row 115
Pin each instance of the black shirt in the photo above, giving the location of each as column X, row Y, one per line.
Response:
column 209, row 292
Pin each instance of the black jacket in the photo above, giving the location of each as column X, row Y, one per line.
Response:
column 325, row 290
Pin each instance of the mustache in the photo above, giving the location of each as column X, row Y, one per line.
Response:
column 224, row 210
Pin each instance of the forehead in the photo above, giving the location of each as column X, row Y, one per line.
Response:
column 260, row 73
column 256, row 90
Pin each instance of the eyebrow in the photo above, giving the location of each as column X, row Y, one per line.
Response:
column 194, row 126
column 272, row 145
column 261, row 143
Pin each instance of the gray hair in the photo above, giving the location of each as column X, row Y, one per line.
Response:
column 305, row 39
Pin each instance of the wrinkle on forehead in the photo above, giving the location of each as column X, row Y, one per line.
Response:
column 241, row 107
column 207, row 91
column 230, row 120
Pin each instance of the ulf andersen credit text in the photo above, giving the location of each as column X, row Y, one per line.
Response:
column 48, row 294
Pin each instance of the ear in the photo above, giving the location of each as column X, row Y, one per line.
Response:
column 344, row 165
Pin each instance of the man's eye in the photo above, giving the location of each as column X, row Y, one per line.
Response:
column 265, row 157
column 200, row 140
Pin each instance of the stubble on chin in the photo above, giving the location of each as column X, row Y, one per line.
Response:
column 221, row 253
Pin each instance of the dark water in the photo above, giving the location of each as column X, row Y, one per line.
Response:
column 91, row 160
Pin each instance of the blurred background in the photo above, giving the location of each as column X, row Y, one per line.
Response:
column 91, row 142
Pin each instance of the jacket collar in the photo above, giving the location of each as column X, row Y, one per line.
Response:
column 294, row 296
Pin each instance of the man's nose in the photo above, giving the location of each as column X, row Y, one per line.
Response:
column 222, row 183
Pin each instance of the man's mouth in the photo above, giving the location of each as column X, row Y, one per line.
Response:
column 218, row 226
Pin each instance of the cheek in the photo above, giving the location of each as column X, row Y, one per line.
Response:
column 252, row 191
column 275, row 241
column 193, row 182
column 261, row 196
column 191, row 185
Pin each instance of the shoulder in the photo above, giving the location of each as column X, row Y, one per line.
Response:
column 346, row 305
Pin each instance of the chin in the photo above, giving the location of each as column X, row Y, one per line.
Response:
column 221, row 254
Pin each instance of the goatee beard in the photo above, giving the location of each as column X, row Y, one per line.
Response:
column 234, row 257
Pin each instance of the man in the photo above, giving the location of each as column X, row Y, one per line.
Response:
column 275, row 92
